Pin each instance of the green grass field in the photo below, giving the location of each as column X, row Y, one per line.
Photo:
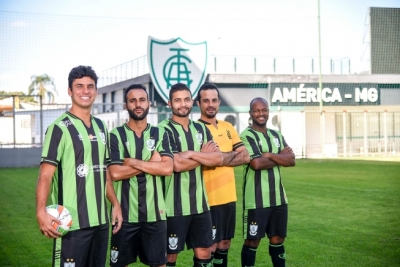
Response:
column 341, row 213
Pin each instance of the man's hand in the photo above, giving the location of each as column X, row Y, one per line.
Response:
column 46, row 222
column 155, row 157
column 116, row 220
column 185, row 154
column 286, row 150
column 127, row 162
column 210, row 146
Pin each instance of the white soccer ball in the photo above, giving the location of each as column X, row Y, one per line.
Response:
column 62, row 214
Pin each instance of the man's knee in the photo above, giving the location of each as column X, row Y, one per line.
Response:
column 276, row 240
column 252, row 243
column 224, row 244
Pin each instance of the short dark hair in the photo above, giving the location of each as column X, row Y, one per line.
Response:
column 178, row 87
column 135, row 86
column 80, row 72
column 257, row 99
column 207, row 86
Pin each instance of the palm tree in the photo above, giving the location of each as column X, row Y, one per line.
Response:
column 44, row 86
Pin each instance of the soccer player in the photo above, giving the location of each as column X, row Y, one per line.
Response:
column 140, row 155
column 220, row 181
column 74, row 167
column 264, row 198
column 188, row 214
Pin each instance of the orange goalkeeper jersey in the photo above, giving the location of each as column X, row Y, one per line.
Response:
column 220, row 181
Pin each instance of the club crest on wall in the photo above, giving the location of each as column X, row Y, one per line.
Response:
column 176, row 61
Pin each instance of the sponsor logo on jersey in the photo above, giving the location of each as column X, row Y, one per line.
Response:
column 66, row 123
column 82, row 170
column 92, row 138
column 98, row 168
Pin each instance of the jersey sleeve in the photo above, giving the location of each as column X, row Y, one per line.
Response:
column 236, row 141
column 208, row 136
column 284, row 142
column 174, row 147
column 165, row 147
column 116, row 150
column 53, row 146
column 108, row 152
column 251, row 145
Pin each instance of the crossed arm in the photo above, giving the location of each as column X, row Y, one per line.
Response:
column 209, row 156
column 157, row 165
column 236, row 157
column 285, row 158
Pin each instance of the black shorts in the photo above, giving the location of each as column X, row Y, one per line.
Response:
column 83, row 247
column 194, row 230
column 146, row 240
column 258, row 223
column 223, row 221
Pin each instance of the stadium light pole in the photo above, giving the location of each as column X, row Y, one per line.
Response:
column 321, row 122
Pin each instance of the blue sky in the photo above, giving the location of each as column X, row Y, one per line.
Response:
column 47, row 36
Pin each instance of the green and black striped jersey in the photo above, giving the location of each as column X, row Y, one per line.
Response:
column 80, row 154
column 185, row 191
column 141, row 197
column 262, row 188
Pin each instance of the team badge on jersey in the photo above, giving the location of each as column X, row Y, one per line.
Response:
column 173, row 242
column 103, row 137
column 277, row 143
column 82, row 170
column 69, row 263
column 253, row 228
column 228, row 133
column 180, row 139
column 114, row 254
column 199, row 137
column 80, row 137
column 214, row 232
column 150, row 144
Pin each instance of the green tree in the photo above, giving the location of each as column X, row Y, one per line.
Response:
column 44, row 86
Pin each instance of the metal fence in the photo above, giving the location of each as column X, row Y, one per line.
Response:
column 310, row 133
column 236, row 65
